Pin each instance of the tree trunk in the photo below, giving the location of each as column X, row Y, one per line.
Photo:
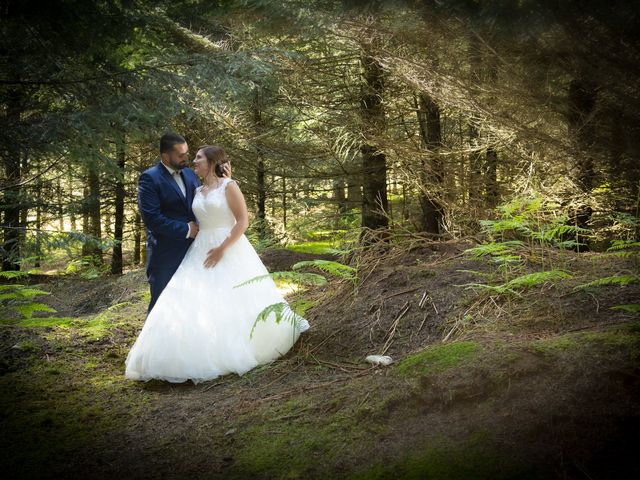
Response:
column 582, row 102
column 60, row 205
column 25, row 205
column 11, row 195
column 72, row 213
column 38, row 241
column 475, row 181
column 284, row 203
column 261, row 202
column 92, row 226
column 475, row 168
column 491, row 178
column 354, row 190
column 374, row 163
column 116, row 257
column 340, row 199
column 432, row 174
column 137, row 239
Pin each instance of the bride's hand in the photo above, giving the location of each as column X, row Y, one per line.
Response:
column 213, row 256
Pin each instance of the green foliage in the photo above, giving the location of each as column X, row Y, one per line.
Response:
column 437, row 358
column 307, row 278
column 86, row 267
column 501, row 253
column 281, row 311
column 284, row 311
column 535, row 279
column 618, row 245
column 494, row 249
column 534, row 219
column 620, row 280
column 333, row 268
column 626, row 225
column 625, row 249
column 630, row 307
column 19, row 298
column 13, row 274
column 316, row 247
column 28, row 309
column 557, row 231
column 522, row 282
column 301, row 305
column 303, row 278
column 526, row 228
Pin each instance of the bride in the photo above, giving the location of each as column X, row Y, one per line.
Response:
column 200, row 327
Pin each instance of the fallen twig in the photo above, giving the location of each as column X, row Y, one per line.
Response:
column 387, row 344
column 402, row 292
column 423, row 299
column 312, row 387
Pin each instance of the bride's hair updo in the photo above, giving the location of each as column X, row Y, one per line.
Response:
column 216, row 157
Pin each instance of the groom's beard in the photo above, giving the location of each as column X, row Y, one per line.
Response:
column 178, row 165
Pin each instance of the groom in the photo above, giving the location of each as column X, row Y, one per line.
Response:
column 165, row 193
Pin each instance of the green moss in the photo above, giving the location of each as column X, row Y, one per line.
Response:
column 54, row 407
column 28, row 346
column 444, row 458
column 289, row 439
column 57, row 402
column 325, row 234
column 625, row 338
column 318, row 247
column 46, row 322
column 437, row 358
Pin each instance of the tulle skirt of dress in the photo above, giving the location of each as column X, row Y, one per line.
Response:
column 200, row 326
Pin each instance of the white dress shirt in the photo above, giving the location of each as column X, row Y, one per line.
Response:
column 179, row 180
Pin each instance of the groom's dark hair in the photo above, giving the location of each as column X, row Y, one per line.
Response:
column 168, row 140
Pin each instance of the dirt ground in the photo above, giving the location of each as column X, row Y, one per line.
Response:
column 542, row 385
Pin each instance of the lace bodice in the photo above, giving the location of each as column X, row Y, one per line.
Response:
column 212, row 209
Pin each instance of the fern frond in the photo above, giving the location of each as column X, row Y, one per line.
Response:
column 507, row 259
column 499, row 289
column 295, row 277
column 494, row 249
column 27, row 310
column 498, row 227
column 334, row 268
column 618, row 245
column 621, row 280
column 556, row 233
column 280, row 312
column 624, row 254
column 11, row 274
column 537, row 278
column 17, row 291
column 31, row 292
column 630, row 307
column 520, row 283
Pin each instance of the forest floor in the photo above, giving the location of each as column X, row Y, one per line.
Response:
column 539, row 385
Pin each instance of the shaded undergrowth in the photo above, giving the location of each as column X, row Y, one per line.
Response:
column 521, row 382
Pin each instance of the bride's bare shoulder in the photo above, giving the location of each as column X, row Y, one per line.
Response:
column 231, row 181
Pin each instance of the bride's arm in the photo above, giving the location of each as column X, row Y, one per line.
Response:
column 238, row 207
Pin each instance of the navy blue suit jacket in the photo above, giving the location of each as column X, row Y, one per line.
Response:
column 166, row 214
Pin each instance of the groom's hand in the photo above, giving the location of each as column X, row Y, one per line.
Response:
column 226, row 167
column 193, row 229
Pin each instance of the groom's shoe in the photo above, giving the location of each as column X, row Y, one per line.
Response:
column 303, row 326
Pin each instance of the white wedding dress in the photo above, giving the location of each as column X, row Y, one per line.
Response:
column 200, row 326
